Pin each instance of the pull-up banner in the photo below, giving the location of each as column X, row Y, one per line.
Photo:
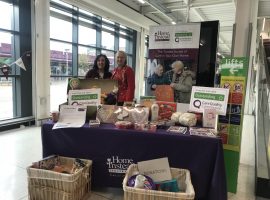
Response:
column 174, row 42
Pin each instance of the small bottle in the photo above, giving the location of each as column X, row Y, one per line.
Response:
column 154, row 111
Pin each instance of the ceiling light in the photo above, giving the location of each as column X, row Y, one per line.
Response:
column 173, row 22
column 141, row 1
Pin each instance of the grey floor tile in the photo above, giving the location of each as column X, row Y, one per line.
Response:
column 109, row 193
column 18, row 149
column 24, row 198
column 248, row 141
column 260, row 198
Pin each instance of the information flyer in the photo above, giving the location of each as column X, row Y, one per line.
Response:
column 233, row 77
column 71, row 117
column 170, row 43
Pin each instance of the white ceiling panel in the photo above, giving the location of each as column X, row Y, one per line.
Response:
column 199, row 10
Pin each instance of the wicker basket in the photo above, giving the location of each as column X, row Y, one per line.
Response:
column 182, row 176
column 50, row 185
column 47, row 193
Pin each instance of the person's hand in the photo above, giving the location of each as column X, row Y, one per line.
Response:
column 154, row 86
column 172, row 85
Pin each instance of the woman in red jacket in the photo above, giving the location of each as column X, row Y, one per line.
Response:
column 124, row 74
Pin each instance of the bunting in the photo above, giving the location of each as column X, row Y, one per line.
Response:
column 23, row 62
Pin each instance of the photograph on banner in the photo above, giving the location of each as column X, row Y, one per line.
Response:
column 173, row 49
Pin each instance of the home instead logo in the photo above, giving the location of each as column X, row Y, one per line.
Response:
column 118, row 165
column 162, row 36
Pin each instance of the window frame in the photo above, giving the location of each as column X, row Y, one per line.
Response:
column 20, row 43
column 98, row 24
column 80, row 18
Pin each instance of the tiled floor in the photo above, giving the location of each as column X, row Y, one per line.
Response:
column 20, row 147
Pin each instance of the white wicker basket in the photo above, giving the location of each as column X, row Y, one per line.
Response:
column 50, row 185
column 182, row 176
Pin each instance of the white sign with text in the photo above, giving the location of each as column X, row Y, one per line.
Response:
column 214, row 98
column 178, row 36
column 157, row 169
column 71, row 117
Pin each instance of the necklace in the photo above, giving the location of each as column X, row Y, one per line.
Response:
column 101, row 74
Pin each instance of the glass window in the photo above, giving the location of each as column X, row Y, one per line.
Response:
column 86, row 12
column 95, row 35
column 62, row 3
column 107, row 21
column 86, row 59
column 107, row 40
column 129, row 61
column 130, row 47
column 146, row 44
column 86, row 22
column 6, row 15
column 122, row 44
column 123, row 33
column 6, row 100
column 6, row 85
column 107, row 28
column 87, row 35
column 6, row 48
column 61, row 28
column 61, row 59
column 110, row 55
column 58, row 91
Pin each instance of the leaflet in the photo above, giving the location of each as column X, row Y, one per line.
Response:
column 71, row 117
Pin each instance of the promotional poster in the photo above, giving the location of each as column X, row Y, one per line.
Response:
column 171, row 43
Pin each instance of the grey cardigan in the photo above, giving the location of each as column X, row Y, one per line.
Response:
column 182, row 89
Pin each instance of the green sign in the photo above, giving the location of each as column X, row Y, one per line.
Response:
column 234, row 66
column 233, row 76
column 216, row 97
column 84, row 97
column 183, row 34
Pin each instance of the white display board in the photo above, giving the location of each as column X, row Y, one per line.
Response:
column 215, row 98
column 178, row 36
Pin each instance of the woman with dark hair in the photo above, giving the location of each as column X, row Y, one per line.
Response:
column 100, row 69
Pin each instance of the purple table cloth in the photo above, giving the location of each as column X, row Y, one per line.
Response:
column 113, row 150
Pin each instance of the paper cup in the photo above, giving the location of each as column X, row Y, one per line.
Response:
column 55, row 116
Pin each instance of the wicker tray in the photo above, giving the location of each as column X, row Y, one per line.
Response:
column 50, row 185
column 183, row 178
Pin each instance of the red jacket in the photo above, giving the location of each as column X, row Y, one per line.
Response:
column 126, row 83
